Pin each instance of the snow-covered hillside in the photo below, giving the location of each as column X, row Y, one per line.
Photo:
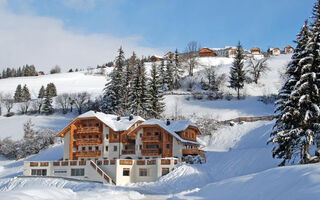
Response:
column 238, row 160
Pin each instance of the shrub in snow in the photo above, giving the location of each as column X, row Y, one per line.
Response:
column 32, row 142
column 229, row 97
column 193, row 159
column 207, row 125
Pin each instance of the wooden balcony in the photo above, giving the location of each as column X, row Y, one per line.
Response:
column 88, row 141
column 190, row 152
column 128, row 151
column 88, row 130
column 150, row 152
column 151, row 138
column 95, row 153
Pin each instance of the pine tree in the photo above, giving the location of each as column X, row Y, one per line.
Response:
column 42, row 92
column 169, row 74
column 162, row 75
column 25, row 95
column 47, row 103
column 18, row 94
column 237, row 73
column 286, row 132
column 113, row 91
column 155, row 94
column 52, row 90
column 177, row 70
column 138, row 95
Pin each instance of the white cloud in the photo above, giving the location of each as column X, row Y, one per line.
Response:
column 44, row 42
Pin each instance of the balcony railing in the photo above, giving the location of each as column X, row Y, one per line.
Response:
column 190, row 152
column 88, row 130
column 128, row 151
column 95, row 153
column 88, row 141
column 150, row 152
column 150, row 138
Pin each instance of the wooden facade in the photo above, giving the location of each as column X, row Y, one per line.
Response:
column 206, row 52
column 255, row 50
column 288, row 49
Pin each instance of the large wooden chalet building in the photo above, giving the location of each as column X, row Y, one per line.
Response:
column 120, row 150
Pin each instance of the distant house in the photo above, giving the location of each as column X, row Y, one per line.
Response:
column 41, row 73
column 274, row 51
column 156, row 58
column 288, row 49
column 232, row 51
column 206, row 52
column 169, row 55
column 255, row 51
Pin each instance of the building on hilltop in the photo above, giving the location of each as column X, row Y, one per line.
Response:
column 274, row 51
column 120, row 150
column 288, row 49
column 206, row 52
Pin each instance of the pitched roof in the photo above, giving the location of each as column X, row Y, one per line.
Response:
column 173, row 128
column 111, row 120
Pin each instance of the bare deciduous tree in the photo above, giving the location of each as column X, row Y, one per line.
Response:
column 190, row 56
column 8, row 102
column 80, row 100
column 24, row 106
column 256, row 68
column 63, row 101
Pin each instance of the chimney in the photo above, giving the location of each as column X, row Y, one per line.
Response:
column 168, row 122
column 118, row 118
column 130, row 117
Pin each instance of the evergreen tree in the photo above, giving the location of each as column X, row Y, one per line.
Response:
column 162, row 75
column 177, row 70
column 42, row 92
column 286, row 132
column 138, row 95
column 155, row 94
column 113, row 91
column 18, row 94
column 25, row 95
column 47, row 103
column 52, row 90
column 169, row 74
column 237, row 73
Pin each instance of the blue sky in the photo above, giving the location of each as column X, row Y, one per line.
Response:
column 88, row 32
column 172, row 23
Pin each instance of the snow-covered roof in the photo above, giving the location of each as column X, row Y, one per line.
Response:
column 174, row 127
column 111, row 120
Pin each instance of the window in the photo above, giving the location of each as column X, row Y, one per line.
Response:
column 149, row 146
column 39, row 172
column 148, row 134
column 77, row 172
column 84, row 125
column 115, row 136
column 107, row 148
column 168, row 146
column 140, row 146
column 126, row 172
column 84, row 136
column 60, row 172
column 97, row 148
column 156, row 133
column 97, row 124
column 90, row 136
column 165, row 171
column 74, row 137
column 83, row 148
column 143, row 172
column 107, row 136
column 90, row 148
column 115, row 148
column 140, row 135
column 97, row 136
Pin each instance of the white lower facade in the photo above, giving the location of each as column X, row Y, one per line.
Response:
column 115, row 172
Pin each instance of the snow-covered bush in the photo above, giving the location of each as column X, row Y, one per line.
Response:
column 207, row 125
column 32, row 142
column 193, row 159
